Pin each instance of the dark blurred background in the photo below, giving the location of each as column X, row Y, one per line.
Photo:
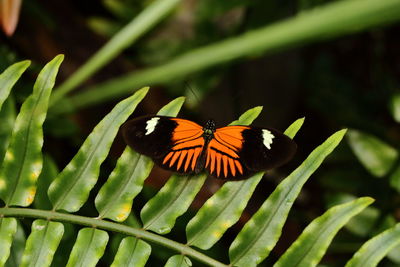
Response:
column 347, row 82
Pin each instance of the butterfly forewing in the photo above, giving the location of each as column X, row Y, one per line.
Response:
column 265, row 149
column 173, row 143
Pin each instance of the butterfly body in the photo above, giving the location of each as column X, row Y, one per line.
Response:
column 232, row 152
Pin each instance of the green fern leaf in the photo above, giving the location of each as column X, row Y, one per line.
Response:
column 42, row 243
column 132, row 252
column 88, row 248
column 311, row 245
column 17, row 247
column 178, row 261
column 262, row 231
column 9, row 77
column 372, row 252
column 23, row 160
column 7, row 117
column 114, row 200
column 8, row 227
column 71, row 188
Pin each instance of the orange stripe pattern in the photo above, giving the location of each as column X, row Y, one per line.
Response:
column 222, row 153
column 187, row 144
column 222, row 159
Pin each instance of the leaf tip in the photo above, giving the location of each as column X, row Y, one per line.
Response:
column 340, row 134
column 144, row 89
column 25, row 63
column 258, row 109
column 367, row 200
column 180, row 99
column 59, row 58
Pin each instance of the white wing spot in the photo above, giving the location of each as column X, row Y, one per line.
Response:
column 151, row 125
column 267, row 138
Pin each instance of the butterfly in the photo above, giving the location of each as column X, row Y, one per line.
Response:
column 231, row 152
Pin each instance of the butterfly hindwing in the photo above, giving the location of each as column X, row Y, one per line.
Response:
column 223, row 153
column 174, row 144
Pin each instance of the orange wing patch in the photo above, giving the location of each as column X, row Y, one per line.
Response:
column 187, row 145
column 222, row 153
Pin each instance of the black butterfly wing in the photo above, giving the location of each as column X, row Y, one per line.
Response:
column 237, row 152
column 265, row 149
column 173, row 144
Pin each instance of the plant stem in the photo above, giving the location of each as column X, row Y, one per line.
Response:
column 110, row 226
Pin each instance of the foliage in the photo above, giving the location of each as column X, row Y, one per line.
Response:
column 69, row 191
column 332, row 20
column 334, row 61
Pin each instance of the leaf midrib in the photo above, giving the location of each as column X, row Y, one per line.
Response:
column 35, row 260
column 166, row 207
column 132, row 258
column 85, row 253
column 25, row 151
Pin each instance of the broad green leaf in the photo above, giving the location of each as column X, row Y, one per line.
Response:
column 372, row 252
column 220, row 212
column 88, row 248
column 49, row 172
column 8, row 227
column 71, row 188
column 262, row 231
column 160, row 213
column 174, row 198
column 17, row 247
column 23, row 160
column 114, row 200
column 312, row 244
column 7, row 118
column 132, row 252
column 376, row 156
column 42, row 243
column 292, row 130
column 224, row 208
column 178, row 261
column 395, row 179
column 9, row 77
